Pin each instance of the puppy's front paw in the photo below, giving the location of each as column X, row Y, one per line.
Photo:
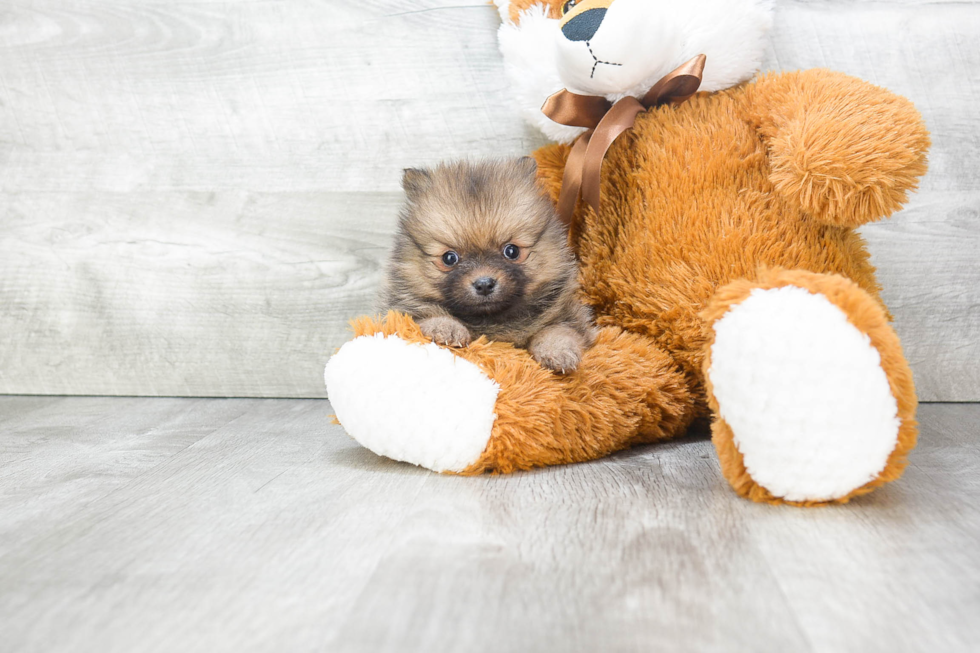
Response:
column 558, row 349
column 445, row 331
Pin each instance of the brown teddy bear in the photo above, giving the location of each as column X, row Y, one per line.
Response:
column 717, row 248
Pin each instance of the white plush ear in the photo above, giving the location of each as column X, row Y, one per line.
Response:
column 529, row 62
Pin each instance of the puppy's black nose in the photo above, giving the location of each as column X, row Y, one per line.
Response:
column 584, row 26
column 484, row 285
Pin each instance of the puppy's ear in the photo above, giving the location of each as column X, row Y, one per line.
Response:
column 528, row 166
column 415, row 181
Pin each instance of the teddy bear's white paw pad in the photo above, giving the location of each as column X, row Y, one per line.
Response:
column 804, row 393
column 416, row 403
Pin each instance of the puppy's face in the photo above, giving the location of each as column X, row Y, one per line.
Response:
column 480, row 239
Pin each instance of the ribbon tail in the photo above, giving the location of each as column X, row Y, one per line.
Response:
column 571, row 179
column 583, row 168
column 620, row 118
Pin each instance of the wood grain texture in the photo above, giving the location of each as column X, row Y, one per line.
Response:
column 79, row 451
column 215, row 294
column 254, row 525
column 195, row 197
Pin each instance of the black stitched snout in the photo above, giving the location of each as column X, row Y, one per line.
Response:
column 584, row 26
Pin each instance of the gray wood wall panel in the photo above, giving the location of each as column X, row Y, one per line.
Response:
column 229, row 293
column 195, row 197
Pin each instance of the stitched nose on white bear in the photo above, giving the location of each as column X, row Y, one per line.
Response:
column 612, row 50
column 584, row 26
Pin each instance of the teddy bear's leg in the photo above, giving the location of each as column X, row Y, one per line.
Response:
column 491, row 407
column 813, row 400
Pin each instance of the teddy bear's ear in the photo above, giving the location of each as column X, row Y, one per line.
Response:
column 415, row 180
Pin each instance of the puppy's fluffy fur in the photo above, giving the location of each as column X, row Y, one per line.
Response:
column 480, row 251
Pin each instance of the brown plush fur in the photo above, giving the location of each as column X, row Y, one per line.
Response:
column 691, row 202
column 517, row 6
column 700, row 203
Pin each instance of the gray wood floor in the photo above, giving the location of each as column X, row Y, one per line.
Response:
column 252, row 525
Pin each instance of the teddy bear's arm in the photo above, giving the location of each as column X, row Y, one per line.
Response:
column 846, row 151
column 625, row 391
column 489, row 407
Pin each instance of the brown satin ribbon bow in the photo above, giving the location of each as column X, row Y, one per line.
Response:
column 606, row 121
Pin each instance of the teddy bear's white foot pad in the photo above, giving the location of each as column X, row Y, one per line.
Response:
column 411, row 402
column 803, row 391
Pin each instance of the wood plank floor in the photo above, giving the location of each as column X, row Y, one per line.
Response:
column 256, row 525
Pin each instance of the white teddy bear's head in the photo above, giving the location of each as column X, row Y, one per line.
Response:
column 616, row 48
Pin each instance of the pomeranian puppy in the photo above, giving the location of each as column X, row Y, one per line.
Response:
column 480, row 251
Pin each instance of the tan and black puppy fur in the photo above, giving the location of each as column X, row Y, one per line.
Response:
column 480, row 251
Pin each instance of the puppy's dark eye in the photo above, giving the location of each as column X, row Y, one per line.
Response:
column 450, row 258
column 568, row 6
column 512, row 252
